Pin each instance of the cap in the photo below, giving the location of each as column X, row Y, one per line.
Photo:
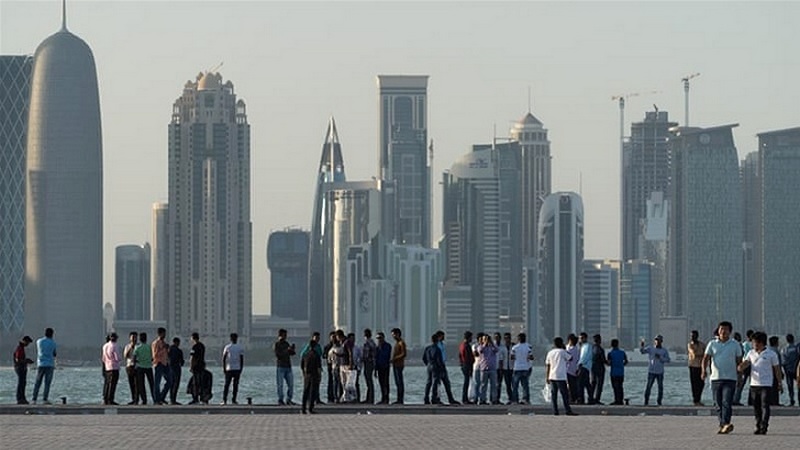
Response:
column 659, row 338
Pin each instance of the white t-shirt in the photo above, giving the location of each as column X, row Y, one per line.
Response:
column 502, row 356
column 761, row 375
column 477, row 363
column 234, row 351
column 557, row 360
column 521, row 351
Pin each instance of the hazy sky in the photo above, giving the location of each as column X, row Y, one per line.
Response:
column 297, row 63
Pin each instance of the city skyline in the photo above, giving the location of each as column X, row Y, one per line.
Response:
column 476, row 81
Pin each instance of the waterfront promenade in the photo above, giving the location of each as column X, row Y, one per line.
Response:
column 237, row 428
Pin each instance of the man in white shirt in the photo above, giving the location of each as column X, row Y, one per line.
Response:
column 521, row 356
column 765, row 369
column 232, row 363
column 556, row 375
column 502, row 364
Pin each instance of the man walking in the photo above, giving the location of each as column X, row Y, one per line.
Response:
column 311, row 366
column 176, row 362
column 764, row 374
column 789, row 358
column 283, row 362
column 556, row 375
column 46, row 361
column 232, row 364
column 21, row 362
column 398, row 364
column 724, row 355
column 160, row 350
column 130, row 366
column 111, row 360
column 695, row 351
column 383, row 359
column 466, row 358
column 368, row 358
column 521, row 357
column 657, row 356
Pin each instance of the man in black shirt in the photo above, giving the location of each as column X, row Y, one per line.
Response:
column 197, row 365
column 311, row 365
column 283, row 362
column 176, row 361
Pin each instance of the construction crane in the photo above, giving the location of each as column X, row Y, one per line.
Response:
column 685, row 81
column 215, row 68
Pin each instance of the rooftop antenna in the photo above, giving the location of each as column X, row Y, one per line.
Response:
column 63, row 15
column 215, row 68
column 686, row 95
column 494, row 136
column 529, row 99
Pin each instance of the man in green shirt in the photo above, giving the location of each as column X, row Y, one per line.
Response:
column 143, row 361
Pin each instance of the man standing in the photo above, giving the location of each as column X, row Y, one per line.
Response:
column 573, row 381
column 445, row 377
column 160, row 350
column 311, row 366
column 466, row 359
column 432, row 358
column 383, row 359
column 789, row 359
column 283, row 362
column 175, row 363
column 197, row 366
column 143, row 358
column 398, row 363
column 724, row 355
column 598, row 375
column 617, row 360
column 657, row 356
column 130, row 366
column 332, row 397
column 556, row 375
column 584, row 369
column 502, row 363
column 521, row 356
column 488, row 368
column 368, row 357
column 46, row 362
column 21, row 363
column 695, row 349
column 111, row 361
column 232, row 365
column 505, row 372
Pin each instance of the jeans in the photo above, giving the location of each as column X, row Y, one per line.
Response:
column 232, row 376
column 584, row 386
column 759, row 395
column 331, row 385
column 446, row 383
column 597, row 380
column 144, row 373
column 574, row 387
column 162, row 371
column 475, row 386
column 398, row 383
column 723, row 396
column 369, row 368
column 176, row 383
column 616, row 385
column 521, row 377
column 311, row 384
column 383, row 381
column 432, row 383
column 504, row 376
column 22, row 381
column 557, row 386
column 790, row 381
column 490, row 377
column 467, row 372
column 45, row 373
column 110, row 386
column 697, row 384
column 131, row 372
column 284, row 374
column 651, row 377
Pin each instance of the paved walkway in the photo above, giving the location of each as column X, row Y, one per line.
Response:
column 410, row 431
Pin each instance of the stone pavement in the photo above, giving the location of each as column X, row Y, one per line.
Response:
column 397, row 431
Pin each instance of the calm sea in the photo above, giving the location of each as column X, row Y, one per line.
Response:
column 84, row 385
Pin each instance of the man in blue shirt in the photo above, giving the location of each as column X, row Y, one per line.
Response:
column 383, row 357
column 658, row 356
column 724, row 355
column 46, row 362
column 617, row 359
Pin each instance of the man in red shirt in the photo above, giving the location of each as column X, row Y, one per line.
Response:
column 21, row 363
column 467, row 359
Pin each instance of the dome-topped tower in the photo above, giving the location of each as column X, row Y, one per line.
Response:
column 64, row 191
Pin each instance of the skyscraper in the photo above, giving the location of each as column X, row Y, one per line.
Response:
column 560, row 258
column 64, row 192
column 600, row 289
column 403, row 110
column 132, row 282
column 778, row 249
column 210, row 233
column 160, row 262
column 535, row 177
column 751, row 230
column 645, row 169
column 705, row 226
column 331, row 170
column 15, row 79
column 287, row 258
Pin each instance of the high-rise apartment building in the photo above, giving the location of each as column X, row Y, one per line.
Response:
column 535, row 177
column 159, row 273
column 705, row 228
column 482, row 233
column 403, row 136
column 132, row 282
column 331, row 170
column 64, row 193
column 15, row 79
column 777, row 246
column 209, row 227
column 637, row 310
column 601, row 290
column 645, row 169
column 560, row 257
column 287, row 259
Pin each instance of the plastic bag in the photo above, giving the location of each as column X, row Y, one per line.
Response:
column 546, row 393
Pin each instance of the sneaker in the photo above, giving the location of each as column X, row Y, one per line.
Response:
column 291, row 403
column 757, row 431
column 223, row 403
column 281, row 403
column 726, row 429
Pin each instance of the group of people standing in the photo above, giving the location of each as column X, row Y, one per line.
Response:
column 45, row 366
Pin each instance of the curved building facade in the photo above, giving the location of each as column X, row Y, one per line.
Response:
column 64, row 191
